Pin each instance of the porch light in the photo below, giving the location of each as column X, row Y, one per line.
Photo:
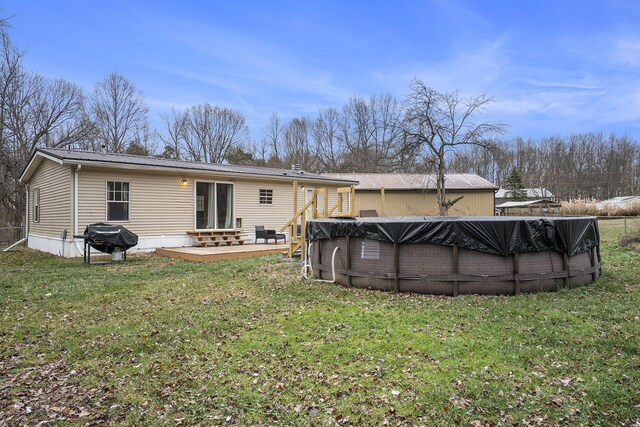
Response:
column 183, row 181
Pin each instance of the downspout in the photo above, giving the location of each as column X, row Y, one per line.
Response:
column 26, row 214
column 75, row 208
column 26, row 224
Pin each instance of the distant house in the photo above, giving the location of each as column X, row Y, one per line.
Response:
column 399, row 194
column 542, row 194
column 622, row 202
column 158, row 199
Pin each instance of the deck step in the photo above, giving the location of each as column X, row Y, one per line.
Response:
column 207, row 238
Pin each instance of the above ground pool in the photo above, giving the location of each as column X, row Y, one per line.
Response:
column 456, row 255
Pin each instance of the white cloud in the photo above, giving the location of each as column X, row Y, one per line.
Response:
column 581, row 85
column 626, row 52
column 471, row 72
column 257, row 67
column 532, row 92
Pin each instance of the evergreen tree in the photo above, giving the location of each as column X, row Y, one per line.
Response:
column 514, row 186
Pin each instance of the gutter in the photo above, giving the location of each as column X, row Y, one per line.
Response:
column 75, row 199
column 26, row 226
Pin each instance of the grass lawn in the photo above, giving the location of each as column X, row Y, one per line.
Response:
column 155, row 341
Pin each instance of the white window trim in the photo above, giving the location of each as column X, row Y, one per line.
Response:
column 215, row 190
column 260, row 197
column 106, row 198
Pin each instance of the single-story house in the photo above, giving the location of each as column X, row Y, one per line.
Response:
column 502, row 195
column 620, row 202
column 158, row 199
column 520, row 207
column 402, row 194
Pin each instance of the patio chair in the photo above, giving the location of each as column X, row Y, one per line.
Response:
column 262, row 233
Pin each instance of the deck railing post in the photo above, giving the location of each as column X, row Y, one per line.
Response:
column 303, row 235
column 352, row 201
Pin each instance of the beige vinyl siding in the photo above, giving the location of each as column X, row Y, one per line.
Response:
column 55, row 184
column 415, row 203
column 158, row 203
column 252, row 213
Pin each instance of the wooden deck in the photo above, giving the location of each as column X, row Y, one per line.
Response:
column 219, row 253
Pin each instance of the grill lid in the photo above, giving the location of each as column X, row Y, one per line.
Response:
column 108, row 237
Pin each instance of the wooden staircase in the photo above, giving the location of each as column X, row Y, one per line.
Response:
column 297, row 225
column 208, row 238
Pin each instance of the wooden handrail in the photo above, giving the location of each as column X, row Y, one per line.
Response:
column 292, row 220
column 333, row 208
column 294, row 242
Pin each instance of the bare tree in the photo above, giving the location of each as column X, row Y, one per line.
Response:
column 11, row 75
column 325, row 136
column 298, row 148
column 49, row 113
column 175, row 126
column 119, row 112
column 363, row 151
column 371, row 135
column 579, row 165
column 34, row 111
column 210, row 132
column 442, row 122
column 389, row 144
column 272, row 140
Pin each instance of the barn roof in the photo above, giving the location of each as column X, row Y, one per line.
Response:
column 407, row 181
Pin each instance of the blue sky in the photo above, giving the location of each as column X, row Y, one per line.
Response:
column 553, row 67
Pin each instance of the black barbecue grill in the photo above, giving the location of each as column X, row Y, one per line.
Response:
column 107, row 238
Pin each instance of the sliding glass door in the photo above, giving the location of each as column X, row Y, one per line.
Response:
column 214, row 205
column 224, row 205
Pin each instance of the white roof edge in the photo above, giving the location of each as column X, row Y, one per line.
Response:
column 515, row 204
column 28, row 171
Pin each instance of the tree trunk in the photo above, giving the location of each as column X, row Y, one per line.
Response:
column 440, row 188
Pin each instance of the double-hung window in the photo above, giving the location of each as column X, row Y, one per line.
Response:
column 117, row 201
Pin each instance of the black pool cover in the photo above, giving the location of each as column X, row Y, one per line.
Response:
column 494, row 235
column 107, row 237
